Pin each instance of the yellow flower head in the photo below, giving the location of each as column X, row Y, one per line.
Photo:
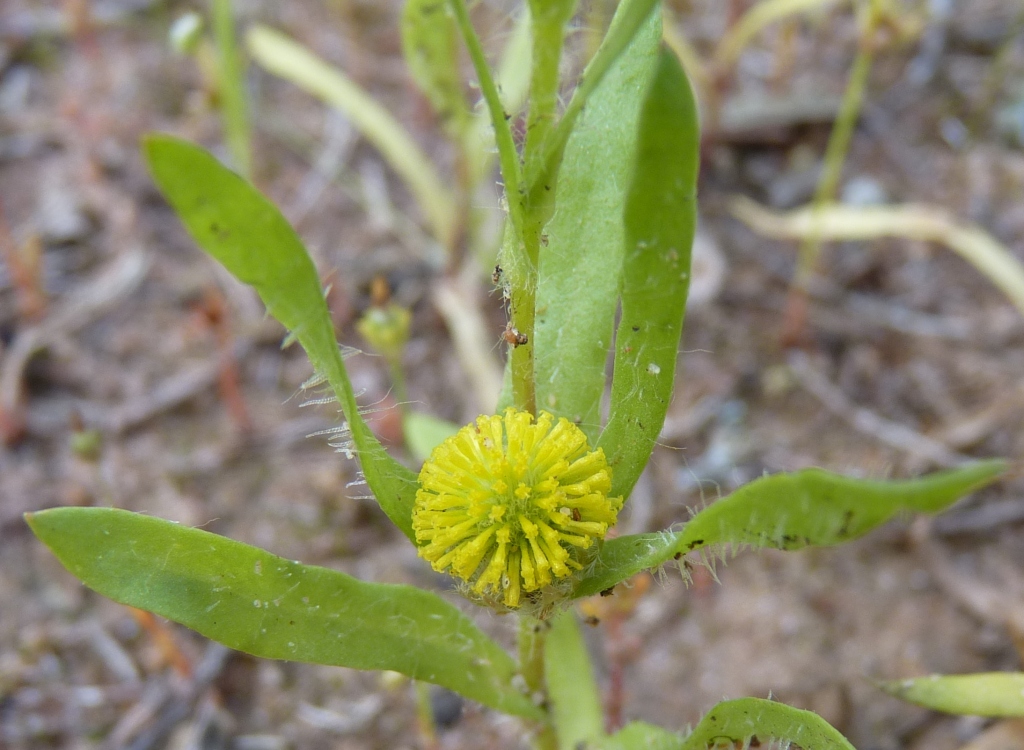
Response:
column 509, row 504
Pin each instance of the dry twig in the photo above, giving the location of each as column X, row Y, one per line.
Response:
column 176, row 707
column 868, row 422
column 986, row 602
column 93, row 298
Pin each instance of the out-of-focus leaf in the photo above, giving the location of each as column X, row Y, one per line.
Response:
column 638, row 735
column 424, row 432
column 186, row 33
column 429, row 41
column 288, row 59
column 759, row 16
column 788, row 511
column 580, row 268
column 575, row 704
column 660, row 220
column 231, row 86
column 991, row 694
column 255, row 602
column 243, row 230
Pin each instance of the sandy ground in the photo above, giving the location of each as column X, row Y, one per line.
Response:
column 131, row 331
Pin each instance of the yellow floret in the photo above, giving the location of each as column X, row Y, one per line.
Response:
column 509, row 503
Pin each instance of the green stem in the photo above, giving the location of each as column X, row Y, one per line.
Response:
column 548, row 30
column 838, row 145
column 532, row 638
column 508, row 157
column 425, row 715
column 523, row 302
column 234, row 107
column 522, row 244
column 628, row 18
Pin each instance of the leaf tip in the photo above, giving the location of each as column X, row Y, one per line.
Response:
column 32, row 519
column 37, row 523
column 988, row 470
column 151, row 141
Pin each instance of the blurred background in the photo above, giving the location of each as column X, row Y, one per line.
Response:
column 857, row 304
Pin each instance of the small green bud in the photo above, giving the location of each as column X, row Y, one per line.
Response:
column 386, row 329
column 87, row 444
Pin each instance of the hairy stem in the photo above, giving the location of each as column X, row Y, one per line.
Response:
column 628, row 18
column 508, row 156
column 523, row 303
column 548, row 27
column 532, row 639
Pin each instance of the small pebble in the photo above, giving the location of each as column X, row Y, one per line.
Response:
column 446, row 707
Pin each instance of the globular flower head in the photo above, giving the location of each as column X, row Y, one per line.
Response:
column 510, row 505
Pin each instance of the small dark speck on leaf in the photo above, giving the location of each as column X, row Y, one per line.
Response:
column 636, row 328
column 844, row 530
column 608, row 591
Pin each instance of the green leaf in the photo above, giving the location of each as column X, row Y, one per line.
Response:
column 576, row 706
column 638, row 735
column 430, row 45
column 505, row 394
column 288, row 59
column 424, row 432
column 549, row 18
column 243, row 230
column 629, row 17
column 788, row 511
column 999, row 694
column 660, row 220
column 581, row 266
column 264, row 605
column 743, row 31
column 737, row 723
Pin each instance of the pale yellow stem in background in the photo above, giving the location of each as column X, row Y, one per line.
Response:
column 910, row 221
